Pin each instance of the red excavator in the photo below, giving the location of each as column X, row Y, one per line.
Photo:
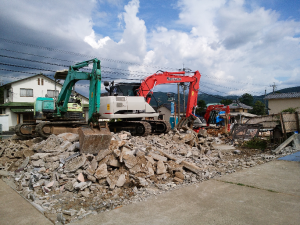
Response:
column 130, row 110
column 150, row 82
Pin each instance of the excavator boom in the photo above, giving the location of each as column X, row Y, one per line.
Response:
column 146, row 88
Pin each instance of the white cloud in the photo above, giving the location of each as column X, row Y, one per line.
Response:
column 230, row 44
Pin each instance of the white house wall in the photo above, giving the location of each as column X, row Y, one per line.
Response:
column 32, row 83
column 4, row 120
column 12, row 118
column 38, row 90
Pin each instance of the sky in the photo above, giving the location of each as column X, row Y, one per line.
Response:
column 238, row 46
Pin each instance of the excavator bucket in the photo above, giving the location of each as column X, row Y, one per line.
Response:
column 93, row 140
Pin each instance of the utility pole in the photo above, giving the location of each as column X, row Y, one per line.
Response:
column 178, row 102
column 274, row 87
column 265, row 100
column 184, row 89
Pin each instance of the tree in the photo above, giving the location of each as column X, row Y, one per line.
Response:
column 246, row 99
column 259, row 108
column 201, row 107
column 226, row 101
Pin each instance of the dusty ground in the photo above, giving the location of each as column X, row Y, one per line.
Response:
column 66, row 185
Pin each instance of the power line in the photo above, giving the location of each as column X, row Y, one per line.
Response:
column 30, row 60
column 79, row 54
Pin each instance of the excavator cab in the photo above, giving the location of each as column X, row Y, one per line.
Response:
column 122, row 89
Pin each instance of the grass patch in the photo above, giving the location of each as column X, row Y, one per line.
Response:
column 256, row 143
column 250, row 186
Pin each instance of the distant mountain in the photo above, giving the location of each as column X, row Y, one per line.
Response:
column 161, row 97
column 291, row 89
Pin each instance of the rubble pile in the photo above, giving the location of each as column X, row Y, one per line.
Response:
column 67, row 185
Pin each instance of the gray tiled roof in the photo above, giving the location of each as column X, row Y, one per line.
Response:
column 168, row 106
column 238, row 105
column 283, row 95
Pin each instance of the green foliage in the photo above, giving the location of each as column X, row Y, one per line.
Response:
column 246, row 99
column 201, row 107
column 226, row 101
column 290, row 110
column 256, row 143
column 259, row 108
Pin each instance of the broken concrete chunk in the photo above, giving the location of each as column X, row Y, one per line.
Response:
column 37, row 156
column 28, row 153
column 160, row 168
column 102, row 154
column 158, row 157
column 179, row 175
column 150, row 159
column 130, row 161
column 75, row 163
column 81, row 186
column 191, row 167
column 70, row 212
column 176, row 179
column 114, row 163
column 143, row 182
column 23, row 165
column 121, row 181
column 69, row 186
column 52, row 165
column 101, row 172
column 38, row 163
column 80, row 177
column 71, row 137
column 64, row 146
column 91, row 178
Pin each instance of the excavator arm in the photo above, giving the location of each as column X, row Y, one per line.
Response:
column 73, row 75
column 146, row 88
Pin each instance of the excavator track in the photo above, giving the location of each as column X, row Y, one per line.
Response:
column 45, row 129
column 26, row 130
column 159, row 126
column 138, row 128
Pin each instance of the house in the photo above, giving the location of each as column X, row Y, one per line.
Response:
column 239, row 112
column 20, row 95
column 277, row 102
column 164, row 111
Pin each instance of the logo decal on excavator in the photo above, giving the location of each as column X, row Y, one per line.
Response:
column 173, row 79
column 192, row 93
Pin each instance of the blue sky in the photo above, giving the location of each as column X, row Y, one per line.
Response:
column 237, row 45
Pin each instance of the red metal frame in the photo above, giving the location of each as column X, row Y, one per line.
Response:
column 169, row 78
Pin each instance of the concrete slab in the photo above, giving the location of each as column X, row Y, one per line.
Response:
column 216, row 202
column 16, row 210
column 224, row 147
column 280, row 176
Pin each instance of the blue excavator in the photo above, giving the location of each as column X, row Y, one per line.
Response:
column 65, row 115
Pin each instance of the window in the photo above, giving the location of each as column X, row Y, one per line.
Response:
column 26, row 92
column 42, row 81
column 50, row 93
column 38, row 81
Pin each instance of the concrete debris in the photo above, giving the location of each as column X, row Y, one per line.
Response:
column 54, row 175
